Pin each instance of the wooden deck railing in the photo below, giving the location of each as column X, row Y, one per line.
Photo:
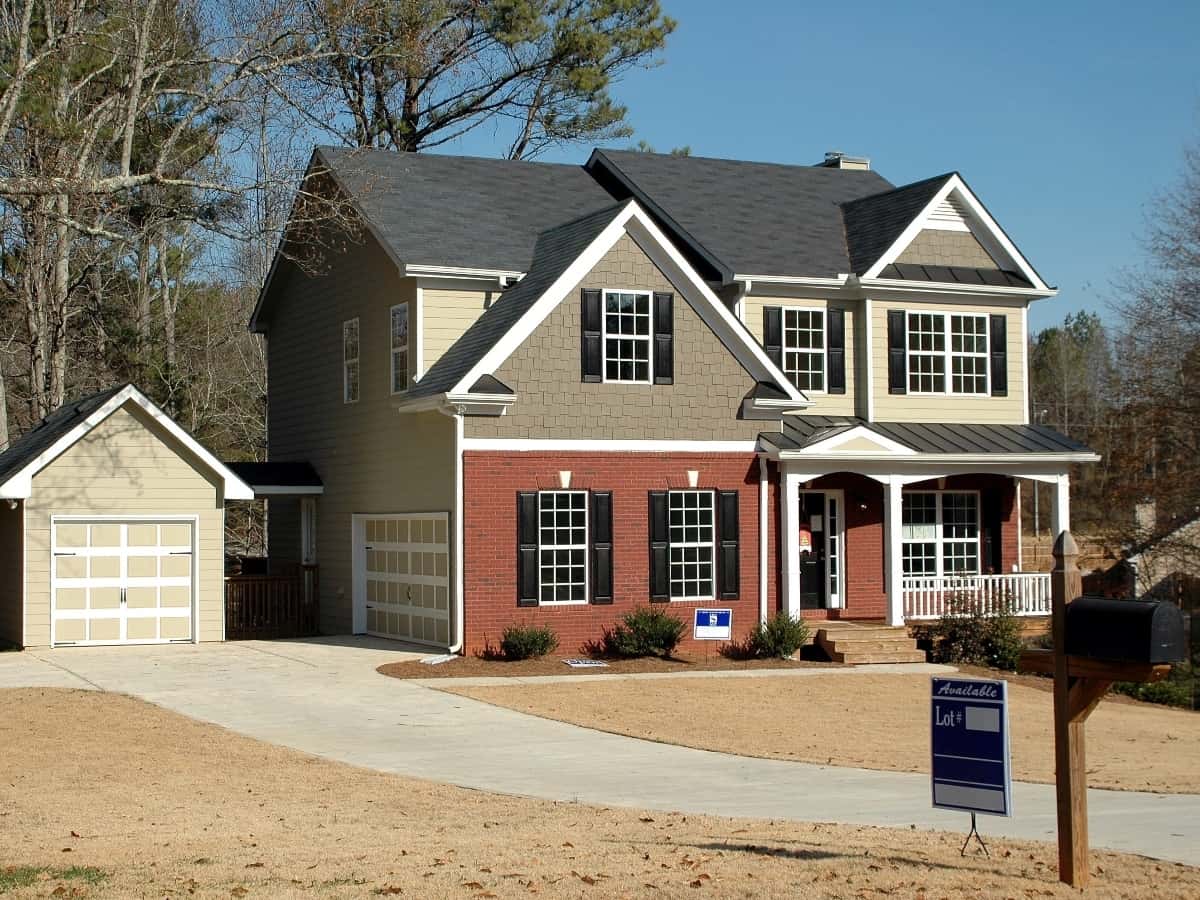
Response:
column 1021, row 593
column 272, row 606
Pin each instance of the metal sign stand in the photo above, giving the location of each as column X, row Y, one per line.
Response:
column 974, row 833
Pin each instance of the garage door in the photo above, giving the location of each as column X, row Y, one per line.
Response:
column 404, row 563
column 121, row 582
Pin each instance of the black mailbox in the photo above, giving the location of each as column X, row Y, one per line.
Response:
column 1138, row 631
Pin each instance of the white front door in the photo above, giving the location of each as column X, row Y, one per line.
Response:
column 402, row 576
column 122, row 582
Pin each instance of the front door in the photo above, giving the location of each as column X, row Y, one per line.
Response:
column 813, row 593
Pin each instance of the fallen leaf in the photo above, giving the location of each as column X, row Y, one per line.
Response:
column 473, row 885
column 239, row 891
column 75, row 834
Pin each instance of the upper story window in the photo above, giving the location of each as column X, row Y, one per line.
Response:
column 350, row 350
column 804, row 348
column 627, row 336
column 947, row 354
column 399, row 354
column 940, row 533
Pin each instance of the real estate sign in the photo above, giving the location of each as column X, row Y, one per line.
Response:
column 713, row 625
column 972, row 770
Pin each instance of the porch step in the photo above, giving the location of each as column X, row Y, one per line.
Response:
column 858, row 644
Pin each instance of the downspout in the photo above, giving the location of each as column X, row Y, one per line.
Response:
column 455, row 413
column 762, row 539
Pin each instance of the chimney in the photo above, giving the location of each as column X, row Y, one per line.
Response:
column 836, row 159
column 1145, row 518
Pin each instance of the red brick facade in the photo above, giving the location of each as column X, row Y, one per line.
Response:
column 491, row 481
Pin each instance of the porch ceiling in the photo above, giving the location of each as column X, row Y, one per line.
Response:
column 274, row 479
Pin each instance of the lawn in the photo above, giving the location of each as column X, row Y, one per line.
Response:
column 872, row 721
column 106, row 796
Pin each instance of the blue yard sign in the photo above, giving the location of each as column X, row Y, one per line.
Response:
column 972, row 771
column 713, row 625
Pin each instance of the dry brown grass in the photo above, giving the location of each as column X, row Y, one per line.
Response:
column 872, row 721
column 168, row 807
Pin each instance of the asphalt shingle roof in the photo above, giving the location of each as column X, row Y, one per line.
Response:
column 874, row 222
column 42, row 436
column 276, row 474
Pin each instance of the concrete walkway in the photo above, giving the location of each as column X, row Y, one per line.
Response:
column 324, row 697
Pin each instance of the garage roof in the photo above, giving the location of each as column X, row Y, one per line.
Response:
column 281, row 478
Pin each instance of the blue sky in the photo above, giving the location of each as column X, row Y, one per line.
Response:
column 1066, row 118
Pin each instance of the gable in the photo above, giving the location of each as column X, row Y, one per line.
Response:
column 943, row 247
column 703, row 403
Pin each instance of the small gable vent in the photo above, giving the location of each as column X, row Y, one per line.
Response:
column 949, row 215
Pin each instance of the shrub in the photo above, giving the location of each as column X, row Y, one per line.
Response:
column 643, row 632
column 965, row 635
column 777, row 638
column 1168, row 693
column 527, row 641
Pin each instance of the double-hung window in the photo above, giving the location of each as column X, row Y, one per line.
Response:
column 562, row 546
column 691, row 519
column 399, row 345
column 804, row 348
column 947, row 354
column 940, row 533
column 350, row 348
column 627, row 336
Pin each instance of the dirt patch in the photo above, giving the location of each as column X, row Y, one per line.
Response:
column 150, row 804
column 474, row 666
column 872, row 721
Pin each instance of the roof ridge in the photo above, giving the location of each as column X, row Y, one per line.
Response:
column 903, row 187
column 383, row 151
column 724, row 159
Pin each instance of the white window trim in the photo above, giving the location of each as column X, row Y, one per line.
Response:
column 940, row 540
column 823, row 310
column 671, row 545
column 346, row 360
column 408, row 378
column 649, row 338
column 948, row 354
column 585, row 547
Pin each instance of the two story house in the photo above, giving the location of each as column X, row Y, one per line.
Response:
column 541, row 393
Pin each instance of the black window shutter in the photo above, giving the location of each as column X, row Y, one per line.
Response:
column 897, row 362
column 660, row 537
column 664, row 338
column 773, row 333
column 728, row 561
column 992, row 518
column 835, row 350
column 602, row 560
column 998, row 335
column 591, row 354
column 527, row 548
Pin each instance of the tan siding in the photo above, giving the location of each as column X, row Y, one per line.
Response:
column 702, row 404
column 935, row 247
column 126, row 466
column 370, row 458
column 937, row 408
column 12, row 569
column 446, row 316
column 823, row 404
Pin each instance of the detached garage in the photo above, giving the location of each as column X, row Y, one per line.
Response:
column 112, row 526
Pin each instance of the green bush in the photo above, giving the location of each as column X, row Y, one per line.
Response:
column 965, row 635
column 1168, row 693
column 777, row 638
column 527, row 641
column 643, row 632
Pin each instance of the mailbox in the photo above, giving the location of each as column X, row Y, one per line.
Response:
column 1137, row 631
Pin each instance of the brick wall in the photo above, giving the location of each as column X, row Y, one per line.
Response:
column 491, row 483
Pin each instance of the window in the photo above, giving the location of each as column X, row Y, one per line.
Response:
column 940, row 533
column 804, row 348
column 399, row 330
column 562, row 546
column 627, row 336
column 938, row 343
column 692, row 533
column 350, row 361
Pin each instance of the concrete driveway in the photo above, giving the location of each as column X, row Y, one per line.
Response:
column 323, row 697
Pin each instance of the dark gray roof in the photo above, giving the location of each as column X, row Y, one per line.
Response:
column 874, row 222
column 952, row 274
column 276, row 474
column 926, row 437
column 750, row 217
column 460, row 210
column 38, row 439
column 556, row 249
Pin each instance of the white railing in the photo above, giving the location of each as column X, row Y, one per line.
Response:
column 1022, row 594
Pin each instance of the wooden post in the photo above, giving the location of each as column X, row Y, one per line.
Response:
column 1069, row 757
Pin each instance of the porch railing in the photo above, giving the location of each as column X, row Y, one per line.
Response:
column 1021, row 593
column 272, row 606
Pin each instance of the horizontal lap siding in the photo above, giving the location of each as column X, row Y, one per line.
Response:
column 126, row 466
column 446, row 316
column 12, row 593
column 492, row 481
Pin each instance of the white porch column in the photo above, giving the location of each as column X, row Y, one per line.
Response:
column 789, row 502
column 892, row 498
column 1060, row 513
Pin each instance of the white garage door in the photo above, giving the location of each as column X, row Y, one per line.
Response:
column 121, row 582
column 404, row 569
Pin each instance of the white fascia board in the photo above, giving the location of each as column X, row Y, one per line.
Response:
column 899, row 287
column 566, row 445
column 719, row 318
column 994, row 234
column 451, row 402
column 423, row 271
column 20, row 484
column 285, row 490
column 830, row 445
column 799, row 280
column 981, row 459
